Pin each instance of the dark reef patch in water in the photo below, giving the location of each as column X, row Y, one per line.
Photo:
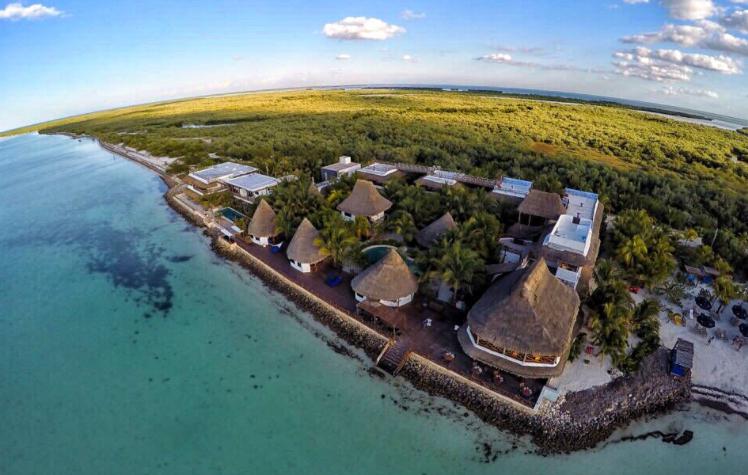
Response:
column 178, row 259
column 117, row 256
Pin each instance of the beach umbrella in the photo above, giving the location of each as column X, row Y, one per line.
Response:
column 703, row 302
column 705, row 321
column 740, row 312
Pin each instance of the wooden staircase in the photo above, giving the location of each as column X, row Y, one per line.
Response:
column 393, row 356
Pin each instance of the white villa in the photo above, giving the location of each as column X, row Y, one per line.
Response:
column 379, row 173
column 248, row 187
column 438, row 179
column 211, row 180
column 512, row 188
column 573, row 242
column 343, row 167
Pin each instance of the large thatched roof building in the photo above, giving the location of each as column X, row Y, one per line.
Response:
column 303, row 254
column 523, row 323
column 262, row 228
column 366, row 201
column 388, row 281
column 427, row 236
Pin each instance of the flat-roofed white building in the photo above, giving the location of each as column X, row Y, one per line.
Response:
column 438, row 179
column 248, row 187
column 574, row 241
column 211, row 180
column 512, row 189
column 379, row 173
column 343, row 167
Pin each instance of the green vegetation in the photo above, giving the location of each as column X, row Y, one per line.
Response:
column 685, row 176
column 642, row 248
column 613, row 317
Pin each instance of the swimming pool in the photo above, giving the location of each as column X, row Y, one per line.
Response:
column 231, row 214
column 376, row 252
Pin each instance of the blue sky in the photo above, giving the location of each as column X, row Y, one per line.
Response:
column 61, row 57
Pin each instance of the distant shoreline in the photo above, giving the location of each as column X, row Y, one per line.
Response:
column 736, row 123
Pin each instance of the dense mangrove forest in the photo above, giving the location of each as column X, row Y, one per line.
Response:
column 687, row 177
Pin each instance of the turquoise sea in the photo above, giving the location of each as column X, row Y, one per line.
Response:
column 128, row 347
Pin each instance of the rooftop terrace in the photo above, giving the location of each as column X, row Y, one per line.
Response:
column 222, row 171
column 513, row 187
column 254, row 182
column 570, row 234
column 379, row 169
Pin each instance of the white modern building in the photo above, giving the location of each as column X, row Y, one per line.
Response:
column 248, row 187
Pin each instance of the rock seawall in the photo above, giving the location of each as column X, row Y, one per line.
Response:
column 580, row 421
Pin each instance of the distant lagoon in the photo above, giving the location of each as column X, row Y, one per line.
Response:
column 129, row 347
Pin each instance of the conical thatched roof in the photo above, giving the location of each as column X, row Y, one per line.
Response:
column 302, row 248
column 528, row 311
column 263, row 221
column 428, row 235
column 364, row 200
column 543, row 204
column 388, row 279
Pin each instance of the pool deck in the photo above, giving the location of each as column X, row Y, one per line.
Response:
column 430, row 342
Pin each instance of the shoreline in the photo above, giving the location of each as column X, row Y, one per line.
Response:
column 578, row 421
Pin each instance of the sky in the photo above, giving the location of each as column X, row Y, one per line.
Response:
column 61, row 57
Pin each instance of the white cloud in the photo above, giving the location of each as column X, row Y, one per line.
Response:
column 361, row 28
column 16, row 11
column 409, row 58
column 343, row 57
column 634, row 2
column 680, row 91
column 411, row 15
column 496, row 58
column 703, row 34
column 504, row 58
column 519, row 49
column 690, row 9
column 630, row 64
column 670, row 64
column 722, row 64
column 737, row 20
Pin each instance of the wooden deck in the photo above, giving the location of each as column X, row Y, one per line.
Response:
column 431, row 342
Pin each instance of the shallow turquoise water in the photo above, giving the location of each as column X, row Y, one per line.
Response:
column 128, row 347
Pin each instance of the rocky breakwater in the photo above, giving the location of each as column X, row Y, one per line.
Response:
column 344, row 326
column 578, row 421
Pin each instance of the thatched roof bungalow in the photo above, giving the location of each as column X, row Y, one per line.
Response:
column 427, row 236
column 262, row 228
column 389, row 281
column 538, row 207
column 366, row 201
column 304, row 255
column 523, row 324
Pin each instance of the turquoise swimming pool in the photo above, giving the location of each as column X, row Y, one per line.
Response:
column 376, row 252
column 231, row 214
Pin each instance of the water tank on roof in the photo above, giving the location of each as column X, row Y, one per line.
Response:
column 345, row 159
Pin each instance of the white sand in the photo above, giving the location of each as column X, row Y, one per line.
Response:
column 716, row 364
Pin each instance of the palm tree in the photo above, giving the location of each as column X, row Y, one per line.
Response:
column 361, row 227
column 481, row 232
column 725, row 290
column 336, row 239
column 455, row 265
column 294, row 201
column 402, row 223
column 610, row 329
column 632, row 251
